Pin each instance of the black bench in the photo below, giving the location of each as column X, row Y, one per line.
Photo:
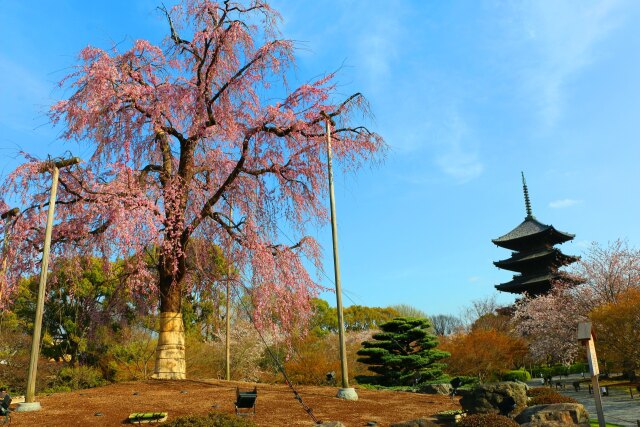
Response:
column 246, row 400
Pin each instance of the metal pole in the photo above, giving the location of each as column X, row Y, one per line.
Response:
column 346, row 392
column 228, row 313
column 31, row 404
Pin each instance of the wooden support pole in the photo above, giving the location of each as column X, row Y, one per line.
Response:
column 6, row 216
column 346, row 392
column 227, row 340
column 586, row 337
column 54, row 168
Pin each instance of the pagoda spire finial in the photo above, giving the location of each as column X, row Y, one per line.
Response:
column 527, row 202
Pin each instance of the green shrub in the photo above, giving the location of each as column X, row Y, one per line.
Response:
column 210, row 420
column 487, row 420
column 469, row 380
column 76, row 378
column 57, row 389
column 578, row 368
column 382, row 387
column 560, row 370
column 518, row 375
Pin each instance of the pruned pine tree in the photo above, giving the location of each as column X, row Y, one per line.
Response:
column 403, row 353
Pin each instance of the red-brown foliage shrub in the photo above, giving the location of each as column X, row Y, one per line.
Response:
column 487, row 420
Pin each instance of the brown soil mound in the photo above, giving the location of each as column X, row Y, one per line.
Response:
column 276, row 405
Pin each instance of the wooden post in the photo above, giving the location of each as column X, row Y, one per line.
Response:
column 227, row 340
column 586, row 337
column 54, row 167
column 345, row 392
column 6, row 216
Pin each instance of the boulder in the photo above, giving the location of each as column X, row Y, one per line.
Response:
column 415, row 423
column 497, row 398
column 560, row 414
column 444, row 389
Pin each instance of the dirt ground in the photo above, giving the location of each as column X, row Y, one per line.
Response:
column 276, row 405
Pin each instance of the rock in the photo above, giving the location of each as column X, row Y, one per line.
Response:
column 421, row 422
column 331, row 424
column 497, row 398
column 444, row 389
column 557, row 414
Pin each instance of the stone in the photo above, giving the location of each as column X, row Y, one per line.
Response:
column 562, row 414
column 348, row 393
column 28, row 407
column 497, row 398
column 444, row 389
column 421, row 422
column 331, row 424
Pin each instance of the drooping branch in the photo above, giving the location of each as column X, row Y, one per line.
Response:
column 206, row 208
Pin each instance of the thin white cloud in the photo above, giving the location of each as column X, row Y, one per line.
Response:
column 378, row 45
column 459, row 158
column 563, row 203
column 561, row 38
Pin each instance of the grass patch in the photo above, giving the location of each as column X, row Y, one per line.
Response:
column 594, row 423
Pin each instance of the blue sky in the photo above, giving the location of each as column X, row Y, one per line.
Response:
column 467, row 94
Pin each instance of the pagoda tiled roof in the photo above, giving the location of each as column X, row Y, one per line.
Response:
column 518, row 259
column 531, row 284
column 535, row 284
column 529, row 229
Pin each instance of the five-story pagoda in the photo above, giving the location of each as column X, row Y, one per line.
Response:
column 534, row 258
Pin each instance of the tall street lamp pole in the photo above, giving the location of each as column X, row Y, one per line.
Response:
column 30, row 404
column 346, row 392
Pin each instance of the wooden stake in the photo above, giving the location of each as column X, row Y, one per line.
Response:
column 336, row 259
column 37, row 328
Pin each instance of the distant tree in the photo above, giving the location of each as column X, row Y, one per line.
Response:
column 445, row 324
column 493, row 322
column 483, row 353
column 324, row 319
column 403, row 353
column 607, row 272
column 406, row 310
column 356, row 317
column 617, row 326
column 478, row 308
column 361, row 318
column 83, row 294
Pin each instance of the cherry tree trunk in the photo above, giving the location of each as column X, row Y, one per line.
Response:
column 170, row 351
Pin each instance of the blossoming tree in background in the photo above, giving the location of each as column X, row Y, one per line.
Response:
column 182, row 135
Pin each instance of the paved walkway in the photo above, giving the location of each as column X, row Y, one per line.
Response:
column 618, row 407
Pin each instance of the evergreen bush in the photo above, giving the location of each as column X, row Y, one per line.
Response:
column 76, row 378
column 516, row 375
column 404, row 353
